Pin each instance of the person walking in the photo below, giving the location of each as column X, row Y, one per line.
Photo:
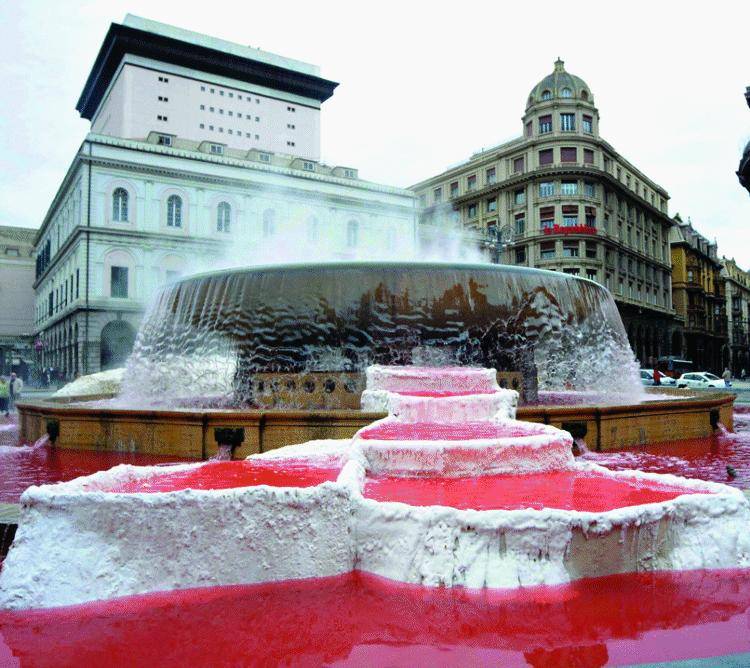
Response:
column 15, row 387
column 4, row 393
column 727, row 376
column 657, row 375
column 743, row 374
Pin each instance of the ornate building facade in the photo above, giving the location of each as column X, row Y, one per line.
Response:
column 737, row 289
column 560, row 197
column 16, row 300
column 699, row 298
column 142, row 204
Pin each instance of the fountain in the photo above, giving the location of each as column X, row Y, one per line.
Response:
column 448, row 490
column 280, row 352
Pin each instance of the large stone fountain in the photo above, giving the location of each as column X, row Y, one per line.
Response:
column 276, row 355
column 448, row 490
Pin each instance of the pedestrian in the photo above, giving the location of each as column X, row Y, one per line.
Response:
column 4, row 391
column 15, row 387
column 743, row 374
column 727, row 376
column 657, row 375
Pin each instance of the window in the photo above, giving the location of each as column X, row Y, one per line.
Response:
column 217, row 149
column 518, row 165
column 572, row 271
column 264, row 157
column 567, row 122
column 588, row 156
column 590, row 216
column 547, row 217
column 163, row 99
column 221, row 92
column 349, row 173
column 547, row 95
column 223, row 217
column 570, row 249
column 519, row 196
column 290, row 126
column 569, row 154
column 13, row 252
column 546, row 189
column 174, row 211
column 269, row 223
column 161, row 118
column 589, row 189
column 490, row 176
column 437, row 195
column 521, row 255
column 290, row 143
column 230, row 113
column 352, row 233
column 491, row 205
column 492, row 229
column 120, row 205
column 290, row 109
column 203, row 88
column 584, row 95
column 570, row 215
column 119, row 282
column 519, row 225
column 546, row 157
column 566, row 92
column 257, row 119
column 308, row 166
column 588, row 124
column 454, row 189
column 591, row 250
column 545, row 124
column 529, row 129
column 547, row 250
column 202, row 126
column 78, row 281
column 471, row 182
column 164, row 79
column 472, row 211
column 569, row 187
column 423, row 200
column 164, row 140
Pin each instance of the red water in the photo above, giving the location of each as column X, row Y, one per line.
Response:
column 361, row 620
column 442, row 393
column 703, row 458
column 25, row 466
column 429, row 431
column 225, row 475
column 566, row 490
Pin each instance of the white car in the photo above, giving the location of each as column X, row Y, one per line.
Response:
column 647, row 378
column 702, row 380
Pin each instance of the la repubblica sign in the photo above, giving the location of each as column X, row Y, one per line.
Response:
column 570, row 229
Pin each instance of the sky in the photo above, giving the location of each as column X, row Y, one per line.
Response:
column 423, row 85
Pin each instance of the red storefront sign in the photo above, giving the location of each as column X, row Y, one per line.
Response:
column 573, row 229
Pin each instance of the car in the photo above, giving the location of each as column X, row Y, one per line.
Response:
column 700, row 380
column 647, row 378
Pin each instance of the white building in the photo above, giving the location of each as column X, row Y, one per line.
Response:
column 158, row 189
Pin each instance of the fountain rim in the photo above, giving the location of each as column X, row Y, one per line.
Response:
column 386, row 264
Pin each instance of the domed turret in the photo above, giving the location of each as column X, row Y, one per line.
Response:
column 560, row 85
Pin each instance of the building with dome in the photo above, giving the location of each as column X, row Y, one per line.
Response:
column 560, row 197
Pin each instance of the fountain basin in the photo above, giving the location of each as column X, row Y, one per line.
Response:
column 99, row 544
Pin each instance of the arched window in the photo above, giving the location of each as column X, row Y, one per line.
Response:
column 584, row 95
column 174, row 211
column 313, row 229
column 547, row 95
column 223, row 217
column 352, row 233
column 269, row 223
column 566, row 92
column 120, row 205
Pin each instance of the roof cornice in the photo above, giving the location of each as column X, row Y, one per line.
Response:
column 121, row 39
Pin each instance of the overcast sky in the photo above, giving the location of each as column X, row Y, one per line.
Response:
column 423, row 85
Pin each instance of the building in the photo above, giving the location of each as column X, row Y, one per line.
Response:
column 699, row 298
column 168, row 182
column 16, row 300
column 737, row 288
column 560, row 197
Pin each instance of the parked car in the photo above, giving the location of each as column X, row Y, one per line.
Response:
column 647, row 378
column 701, row 380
